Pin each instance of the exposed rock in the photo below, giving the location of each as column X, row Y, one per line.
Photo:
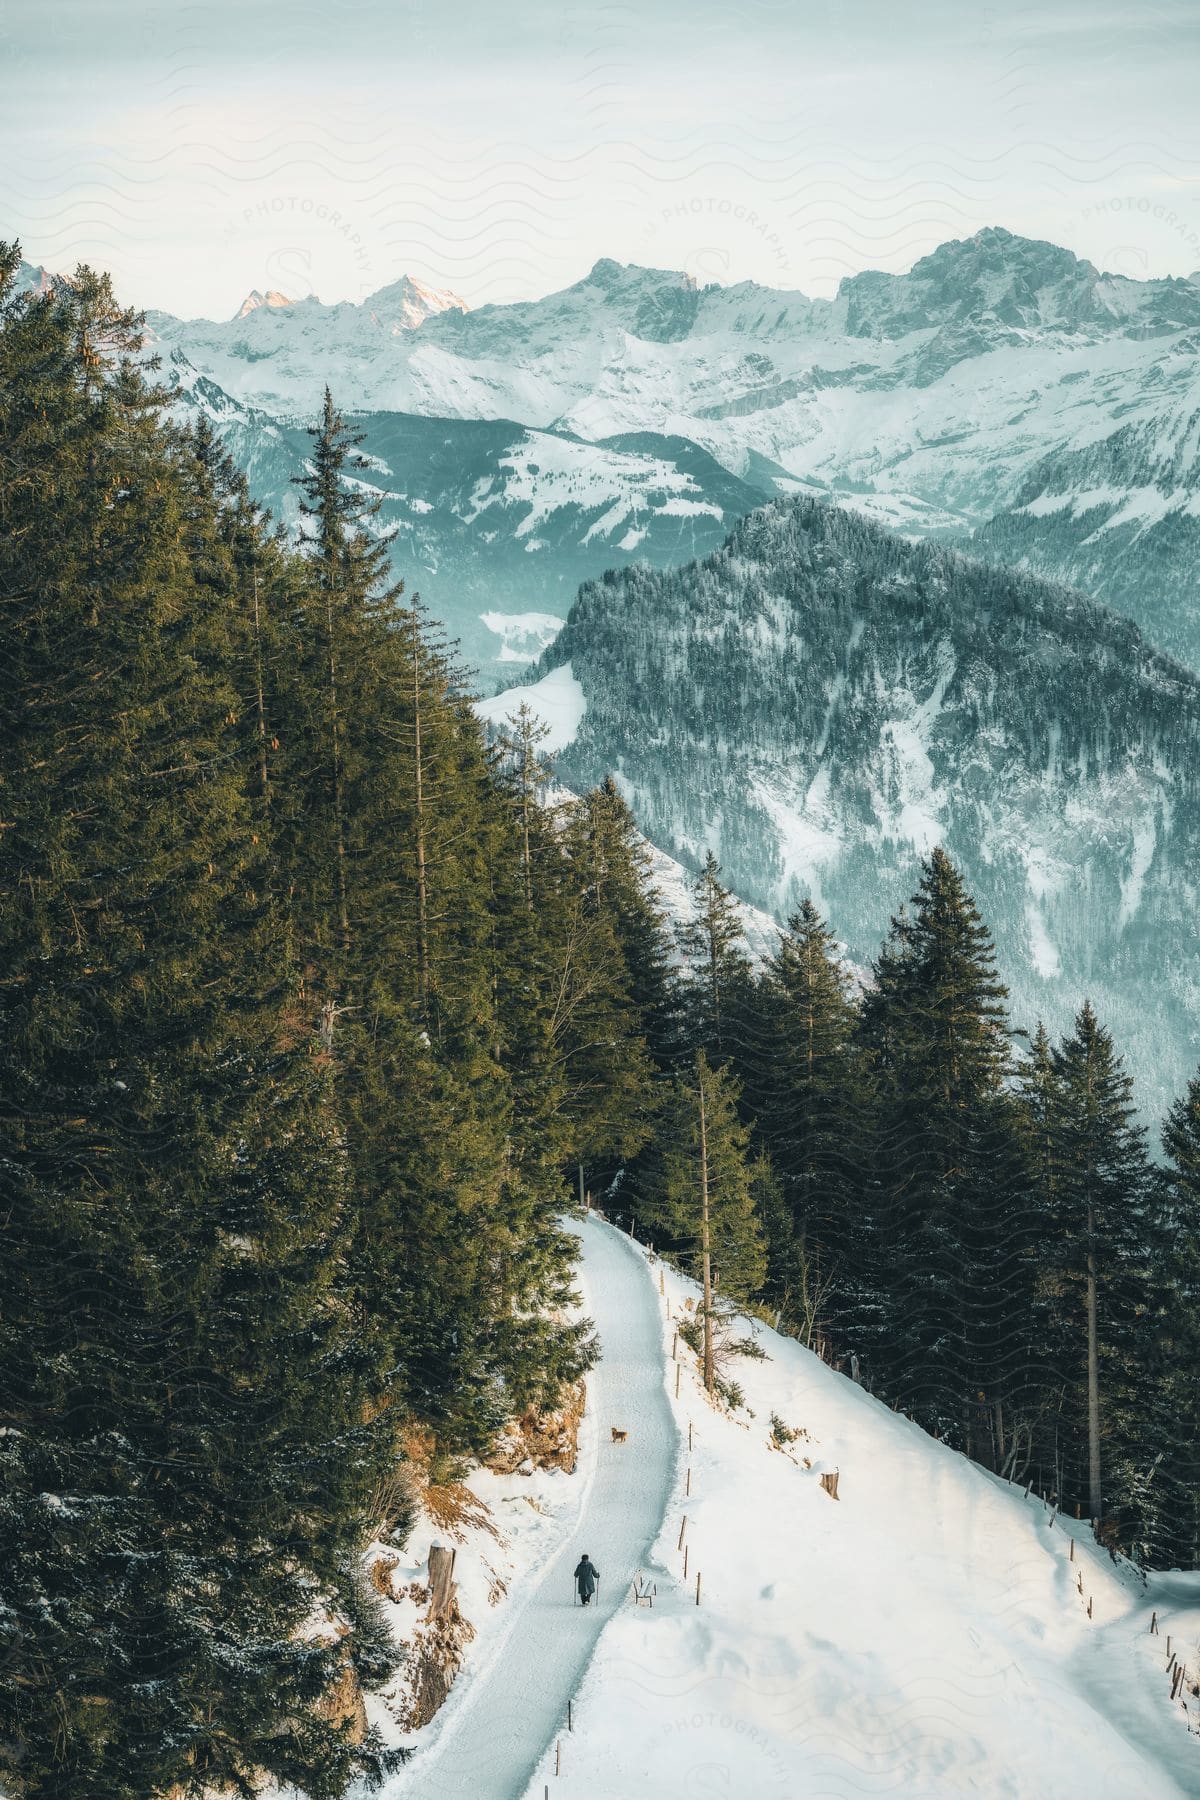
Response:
column 541, row 1440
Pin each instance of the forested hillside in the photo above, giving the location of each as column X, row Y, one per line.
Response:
column 821, row 703
column 305, row 1011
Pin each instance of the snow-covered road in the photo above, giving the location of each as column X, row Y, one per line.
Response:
column 503, row 1714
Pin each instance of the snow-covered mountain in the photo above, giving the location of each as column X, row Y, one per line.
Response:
column 496, row 524
column 256, row 298
column 1121, row 520
column 820, row 702
column 933, row 401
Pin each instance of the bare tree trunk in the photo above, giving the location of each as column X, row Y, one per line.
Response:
column 339, row 799
column 526, row 799
column 1093, row 1378
column 419, row 788
column 705, row 1238
column 258, row 677
column 442, row 1591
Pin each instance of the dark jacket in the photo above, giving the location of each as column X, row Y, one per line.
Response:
column 586, row 1576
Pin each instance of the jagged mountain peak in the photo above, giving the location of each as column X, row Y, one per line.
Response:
column 34, row 278
column 613, row 276
column 657, row 305
column 407, row 303
column 256, row 298
column 1004, row 284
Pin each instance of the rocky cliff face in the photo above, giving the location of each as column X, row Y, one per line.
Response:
column 821, row 702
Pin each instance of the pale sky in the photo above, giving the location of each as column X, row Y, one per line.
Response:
column 198, row 148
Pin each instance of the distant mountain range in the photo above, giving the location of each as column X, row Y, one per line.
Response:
column 821, row 702
column 1002, row 393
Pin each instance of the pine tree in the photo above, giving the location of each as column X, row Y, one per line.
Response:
column 1172, row 1432
column 947, row 1166
column 185, row 1468
column 805, row 1088
column 717, row 969
column 703, row 1194
column 620, row 880
column 349, row 582
column 1098, row 1257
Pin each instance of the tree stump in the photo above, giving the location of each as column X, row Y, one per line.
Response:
column 442, row 1592
column 829, row 1482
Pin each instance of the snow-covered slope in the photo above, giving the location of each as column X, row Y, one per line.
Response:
column 821, row 703
column 1121, row 520
column 531, row 1655
column 924, row 1635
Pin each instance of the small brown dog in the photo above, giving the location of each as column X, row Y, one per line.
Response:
column 619, row 1436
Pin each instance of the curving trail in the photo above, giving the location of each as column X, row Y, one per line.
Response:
column 513, row 1707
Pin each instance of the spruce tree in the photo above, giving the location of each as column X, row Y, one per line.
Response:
column 1172, row 1432
column 805, row 1088
column 947, row 1166
column 1098, row 1256
column 717, row 969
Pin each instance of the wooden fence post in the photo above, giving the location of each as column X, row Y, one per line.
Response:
column 697, row 1587
column 677, row 1369
column 688, row 1489
column 682, row 1529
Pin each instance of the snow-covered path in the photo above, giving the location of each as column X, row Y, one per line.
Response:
column 502, row 1714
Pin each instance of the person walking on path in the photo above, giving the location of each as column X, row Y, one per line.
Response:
column 586, row 1577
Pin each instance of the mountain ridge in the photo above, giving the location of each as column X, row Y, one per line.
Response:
column 821, row 702
column 929, row 399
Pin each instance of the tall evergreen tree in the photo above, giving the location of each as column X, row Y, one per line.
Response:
column 948, row 1165
column 1172, row 1432
column 703, row 1193
column 805, row 1087
column 717, row 969
column 1097, row 1259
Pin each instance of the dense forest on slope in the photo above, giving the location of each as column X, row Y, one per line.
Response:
column 303, row 1016
column 822, row 703
column 312, row 1007
column 962, row 1215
